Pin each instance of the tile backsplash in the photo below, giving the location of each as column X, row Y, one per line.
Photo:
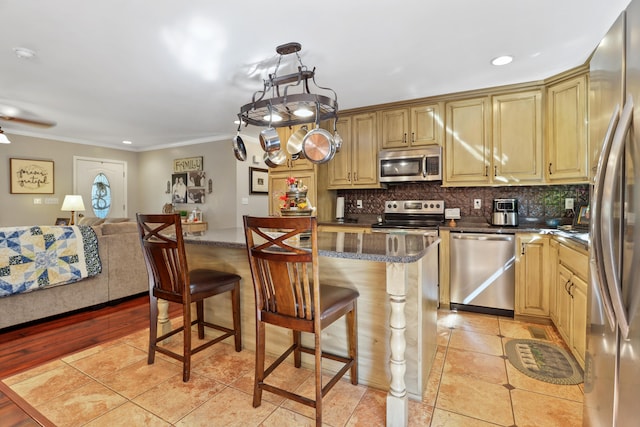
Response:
column 533, row 201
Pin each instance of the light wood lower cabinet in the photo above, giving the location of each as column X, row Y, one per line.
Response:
column 278, row 187
column 579, row 318
column 570, row 315
column 532, row 274
column 344, row 228
column 553, row 274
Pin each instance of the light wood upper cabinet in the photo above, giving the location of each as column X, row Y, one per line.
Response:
column 467, row 143
column 517, row 138
column 567, row 148
column 339, row 169
column 299, row 164
column 411, row 127
column 356, row 164
column 495, row 141
column 532, row 274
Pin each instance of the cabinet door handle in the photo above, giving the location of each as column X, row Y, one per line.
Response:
column 413, row 137
column 522, row 246
column 550, row 173
column 566, row 286
column 486, row 171
column 495, row 170
column 404, row 138
column 348, row 176
column 355, row 176
column 571, row 287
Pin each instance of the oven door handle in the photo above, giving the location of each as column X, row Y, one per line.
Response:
column 404, row 231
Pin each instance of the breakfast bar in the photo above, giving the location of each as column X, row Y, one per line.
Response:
column 397, row 308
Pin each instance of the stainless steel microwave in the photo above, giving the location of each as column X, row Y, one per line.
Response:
column 424, row 164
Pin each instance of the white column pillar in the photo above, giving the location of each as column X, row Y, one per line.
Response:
column 397, row 399
column 164, row 325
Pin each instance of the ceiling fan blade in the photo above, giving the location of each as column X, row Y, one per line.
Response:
column 27, row 121
column 18, row 115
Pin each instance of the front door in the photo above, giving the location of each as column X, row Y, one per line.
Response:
column 111, row 201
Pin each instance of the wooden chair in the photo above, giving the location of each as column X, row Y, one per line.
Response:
column 289, row 294
column 170, row 280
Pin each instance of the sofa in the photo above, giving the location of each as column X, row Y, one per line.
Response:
column 123, row 274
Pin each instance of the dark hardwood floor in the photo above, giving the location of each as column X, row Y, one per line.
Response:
column 26, row 347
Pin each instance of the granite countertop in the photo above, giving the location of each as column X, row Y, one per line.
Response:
column 579, row 237
column 360, row 246
column 480, row 225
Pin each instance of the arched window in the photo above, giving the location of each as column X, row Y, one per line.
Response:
column 101, row 196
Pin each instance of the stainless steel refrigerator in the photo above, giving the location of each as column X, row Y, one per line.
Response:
column 612, row 362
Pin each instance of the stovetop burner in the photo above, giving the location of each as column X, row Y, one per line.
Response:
column 412, row 214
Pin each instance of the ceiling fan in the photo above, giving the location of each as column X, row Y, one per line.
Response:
column 18, row 115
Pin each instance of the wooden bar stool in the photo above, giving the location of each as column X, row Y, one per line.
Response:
column 171, row 280
column 289, row 294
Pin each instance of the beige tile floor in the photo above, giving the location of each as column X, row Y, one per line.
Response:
column 471, row 384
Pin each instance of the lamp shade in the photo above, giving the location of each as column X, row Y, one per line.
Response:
column 72, row 202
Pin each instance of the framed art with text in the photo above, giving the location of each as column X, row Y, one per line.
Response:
column 31, row 176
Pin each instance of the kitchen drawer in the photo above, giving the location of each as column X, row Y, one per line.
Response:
column 578, row 262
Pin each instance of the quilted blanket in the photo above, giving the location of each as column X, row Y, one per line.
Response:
column 44, row 256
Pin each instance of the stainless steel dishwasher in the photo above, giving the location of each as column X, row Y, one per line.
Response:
column 483, row 272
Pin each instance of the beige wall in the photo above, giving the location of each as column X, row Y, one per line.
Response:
column 148, row 173
column 223, row 207
column 19, row 209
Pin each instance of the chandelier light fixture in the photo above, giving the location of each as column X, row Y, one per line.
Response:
column 288, row 100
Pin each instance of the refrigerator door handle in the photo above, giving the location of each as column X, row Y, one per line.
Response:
column 610, row 265
column 596, row 258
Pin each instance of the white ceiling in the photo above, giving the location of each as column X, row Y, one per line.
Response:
column 168, row 72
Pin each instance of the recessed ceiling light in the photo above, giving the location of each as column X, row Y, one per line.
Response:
column 23, row 52
column 127, row 142
column 502, row 60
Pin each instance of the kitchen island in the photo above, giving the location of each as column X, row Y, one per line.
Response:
column 397, row 307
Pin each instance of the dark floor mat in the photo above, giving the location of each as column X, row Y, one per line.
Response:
column 543, row 361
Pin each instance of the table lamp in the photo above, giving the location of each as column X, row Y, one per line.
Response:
column 73, row 203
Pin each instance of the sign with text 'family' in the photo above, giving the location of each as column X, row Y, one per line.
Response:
column 187, row 164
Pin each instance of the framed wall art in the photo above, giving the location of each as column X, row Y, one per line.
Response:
column 63, row 221
column 179, row 188
column 31, row 176
column 258, row 181
column 583, row 216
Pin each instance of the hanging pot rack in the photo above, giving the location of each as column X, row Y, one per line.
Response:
column 275, row 98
